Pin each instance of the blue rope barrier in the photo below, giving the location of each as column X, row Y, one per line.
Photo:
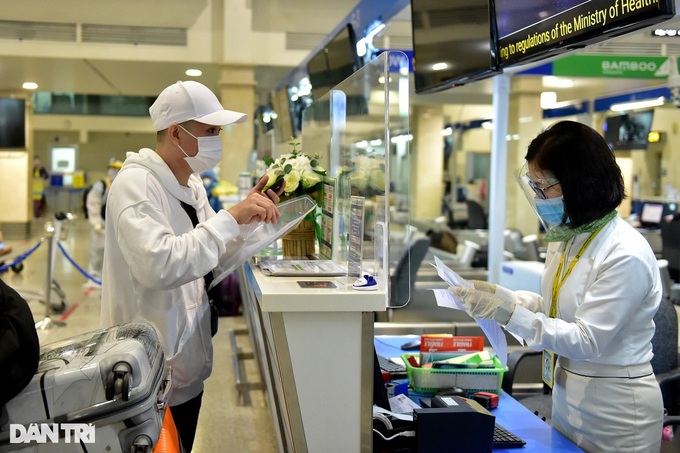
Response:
column 21, row 257
column 80, row 269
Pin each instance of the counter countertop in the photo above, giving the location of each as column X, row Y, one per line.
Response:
column 284, row 294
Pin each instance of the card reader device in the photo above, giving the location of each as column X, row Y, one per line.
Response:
column 454, row 424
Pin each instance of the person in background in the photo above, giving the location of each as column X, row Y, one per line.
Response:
column 600, row 290
column 40, row 175
column 5, row 249
column 164, row 240
column 210, row 182
column 95, row 203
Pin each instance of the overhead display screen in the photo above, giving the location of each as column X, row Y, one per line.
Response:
column 453, row 43
column 535, row 29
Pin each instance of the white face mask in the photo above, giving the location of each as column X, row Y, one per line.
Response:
column 209, row 153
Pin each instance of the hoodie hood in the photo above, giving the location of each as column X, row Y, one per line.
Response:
column 148, row 159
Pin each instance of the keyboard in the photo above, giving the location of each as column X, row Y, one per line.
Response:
column 502, row 438
column 389, row 366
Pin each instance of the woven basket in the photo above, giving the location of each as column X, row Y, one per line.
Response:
column 301, row 241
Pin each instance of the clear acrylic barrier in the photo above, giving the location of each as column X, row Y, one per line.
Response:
column 254, row 237
column 361, row 131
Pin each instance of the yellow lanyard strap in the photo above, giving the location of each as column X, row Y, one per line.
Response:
column 557, row 282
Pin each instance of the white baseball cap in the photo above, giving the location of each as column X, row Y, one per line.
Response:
column 189, row 100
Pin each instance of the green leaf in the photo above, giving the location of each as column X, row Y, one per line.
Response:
column 288, row 168
column 267, row 160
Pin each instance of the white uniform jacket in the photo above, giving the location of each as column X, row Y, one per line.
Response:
column 155, row 260
column 606, row 305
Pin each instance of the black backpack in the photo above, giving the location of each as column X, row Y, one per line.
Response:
column 19, row 344
column 87, row 191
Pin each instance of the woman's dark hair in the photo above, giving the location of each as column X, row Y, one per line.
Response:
column 583, row 163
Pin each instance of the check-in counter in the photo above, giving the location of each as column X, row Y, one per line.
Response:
column 315, row 350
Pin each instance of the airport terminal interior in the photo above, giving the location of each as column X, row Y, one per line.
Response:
column 225, row 418
column 96, row 68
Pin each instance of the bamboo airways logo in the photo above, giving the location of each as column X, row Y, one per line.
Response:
column 68, row 433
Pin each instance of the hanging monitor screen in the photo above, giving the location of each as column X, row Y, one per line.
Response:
column 283, row 124
column 12, row 123
column 535, row 29
column 629, row 130
column 453, row 43
column 336, row 61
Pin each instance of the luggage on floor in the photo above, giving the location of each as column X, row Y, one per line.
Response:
column 102, row 391
column 226, row 296
column 168, row 441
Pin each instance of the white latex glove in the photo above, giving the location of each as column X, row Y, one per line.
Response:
column 484, row 305
column 506, row 294
column 484, row 286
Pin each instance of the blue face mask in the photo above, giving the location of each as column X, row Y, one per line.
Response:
column 551, row 210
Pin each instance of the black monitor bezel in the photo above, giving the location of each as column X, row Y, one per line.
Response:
column 469, row 76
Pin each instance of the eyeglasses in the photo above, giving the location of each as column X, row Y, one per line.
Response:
column 540, row 191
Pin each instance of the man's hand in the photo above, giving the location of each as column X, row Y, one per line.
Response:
column 98, row 228
column 272, row 194
column 255, row 208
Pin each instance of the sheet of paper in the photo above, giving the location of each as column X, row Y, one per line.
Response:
column 407, row 416
column 445, row 298
column 402, row 404
column 449, row 276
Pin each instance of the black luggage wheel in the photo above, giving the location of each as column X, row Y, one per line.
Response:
column 118, row 382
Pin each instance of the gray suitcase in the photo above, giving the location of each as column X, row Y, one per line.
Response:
column 102, row 391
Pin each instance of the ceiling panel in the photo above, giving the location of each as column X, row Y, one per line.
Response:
column 104, row 76
column 165, row 13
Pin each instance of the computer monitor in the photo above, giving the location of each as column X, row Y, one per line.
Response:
column 651, row 215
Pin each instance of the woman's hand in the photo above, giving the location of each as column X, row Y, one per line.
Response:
column 483, row 305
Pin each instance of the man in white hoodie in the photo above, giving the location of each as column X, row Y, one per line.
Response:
column 158, row 259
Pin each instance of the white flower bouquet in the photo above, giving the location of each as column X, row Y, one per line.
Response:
column 367, row 174
column 301, row 172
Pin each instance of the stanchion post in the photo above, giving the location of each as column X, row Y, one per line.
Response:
column 48, row 322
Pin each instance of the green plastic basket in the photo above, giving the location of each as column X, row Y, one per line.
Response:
column 432, row 380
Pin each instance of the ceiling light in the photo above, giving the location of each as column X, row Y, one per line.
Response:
column 194, row 72
column 29, row 86
column 361, row 47
column 622, row 107
column 557, row 82
column 548, row 99
column 665, row 32
column 402, row 138
column 439, row 66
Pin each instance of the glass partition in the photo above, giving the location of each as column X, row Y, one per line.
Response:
column 360, row 129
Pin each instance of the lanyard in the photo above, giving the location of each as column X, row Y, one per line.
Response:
column 557, row 282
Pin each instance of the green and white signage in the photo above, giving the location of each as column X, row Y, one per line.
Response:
column 619, row 66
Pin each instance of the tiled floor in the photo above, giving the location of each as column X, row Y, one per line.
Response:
column 224, row 425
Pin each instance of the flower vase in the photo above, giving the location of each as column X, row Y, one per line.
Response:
column 300, row 242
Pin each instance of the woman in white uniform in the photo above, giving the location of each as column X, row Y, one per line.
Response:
column 599, row 292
